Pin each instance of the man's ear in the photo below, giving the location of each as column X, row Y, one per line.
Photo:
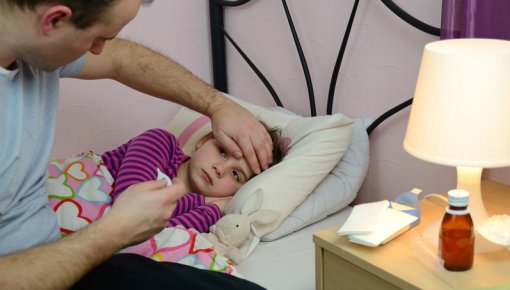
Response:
column 203, row 139
column 52, row 16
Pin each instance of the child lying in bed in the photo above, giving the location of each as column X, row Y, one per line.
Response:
column 210, row 176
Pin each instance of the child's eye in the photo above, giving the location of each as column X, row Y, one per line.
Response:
column 222, row 151
column 236, row 176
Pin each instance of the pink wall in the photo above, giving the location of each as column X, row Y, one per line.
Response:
column 378, row 72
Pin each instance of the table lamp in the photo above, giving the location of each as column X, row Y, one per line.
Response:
column 461, row 112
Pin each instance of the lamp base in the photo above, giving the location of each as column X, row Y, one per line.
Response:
column 469, row 178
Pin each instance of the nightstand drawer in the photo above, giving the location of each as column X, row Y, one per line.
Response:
column 340, row 274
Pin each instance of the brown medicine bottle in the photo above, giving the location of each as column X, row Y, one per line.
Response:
column 457, row 233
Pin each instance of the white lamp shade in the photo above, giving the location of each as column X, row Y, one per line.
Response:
column 461, row 109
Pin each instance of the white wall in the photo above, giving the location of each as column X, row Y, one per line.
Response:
column 101, row 115
column 378, row 72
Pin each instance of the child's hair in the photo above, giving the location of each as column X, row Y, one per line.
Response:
column 276, row 137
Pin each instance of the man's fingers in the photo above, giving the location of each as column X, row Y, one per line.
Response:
column 229, row 144
column 264, row 149
column 151, row 185
column 258, row 155
column 260, row 149
column 242, row 135
column 249, row 153
column 178, row 188
column 251, row 156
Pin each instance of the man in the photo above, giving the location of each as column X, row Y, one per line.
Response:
column 41, row 41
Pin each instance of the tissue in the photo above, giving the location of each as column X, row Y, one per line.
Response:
column 161, row 175
column 497, row 230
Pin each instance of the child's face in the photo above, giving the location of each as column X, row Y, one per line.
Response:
column 213, row 172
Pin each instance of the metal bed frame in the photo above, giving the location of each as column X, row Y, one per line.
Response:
column 219, row 36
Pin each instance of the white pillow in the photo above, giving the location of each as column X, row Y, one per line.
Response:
column 337, row 190
column 316, row 146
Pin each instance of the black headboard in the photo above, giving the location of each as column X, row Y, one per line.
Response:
column 219, row 60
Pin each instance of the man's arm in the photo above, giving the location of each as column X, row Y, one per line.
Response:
column 60, row 264
column 152, row 73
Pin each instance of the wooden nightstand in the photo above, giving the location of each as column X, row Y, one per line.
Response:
column 340, row 264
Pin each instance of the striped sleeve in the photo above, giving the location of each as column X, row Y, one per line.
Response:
column 137, row 160
column 193, row 212
column 187, row 203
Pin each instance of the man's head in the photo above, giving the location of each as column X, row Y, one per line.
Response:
column 214, row 173
column 57, row 32
column 85, row 12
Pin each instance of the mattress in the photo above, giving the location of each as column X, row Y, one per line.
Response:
column 289, row 262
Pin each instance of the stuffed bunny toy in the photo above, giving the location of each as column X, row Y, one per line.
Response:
column 230, row 234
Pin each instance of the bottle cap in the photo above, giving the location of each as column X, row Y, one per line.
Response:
column 458, row 197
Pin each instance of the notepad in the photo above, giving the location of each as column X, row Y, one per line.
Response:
column 376, row 223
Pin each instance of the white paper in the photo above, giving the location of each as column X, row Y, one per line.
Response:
column 391, row 224
column 363, row 218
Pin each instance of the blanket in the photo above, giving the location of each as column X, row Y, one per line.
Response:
column 80, row 192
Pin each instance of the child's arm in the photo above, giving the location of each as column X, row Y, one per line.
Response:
column 137, row 161
column 221, row 202
column 192, row 212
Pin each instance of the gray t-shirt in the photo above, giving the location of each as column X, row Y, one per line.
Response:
column 28, row 109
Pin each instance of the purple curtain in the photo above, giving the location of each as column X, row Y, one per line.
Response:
column 475, row 19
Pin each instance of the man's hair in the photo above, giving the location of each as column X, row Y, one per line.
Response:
column 85, row 12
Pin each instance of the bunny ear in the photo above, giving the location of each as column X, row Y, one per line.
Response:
column 253, row 203
column 264, row 216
